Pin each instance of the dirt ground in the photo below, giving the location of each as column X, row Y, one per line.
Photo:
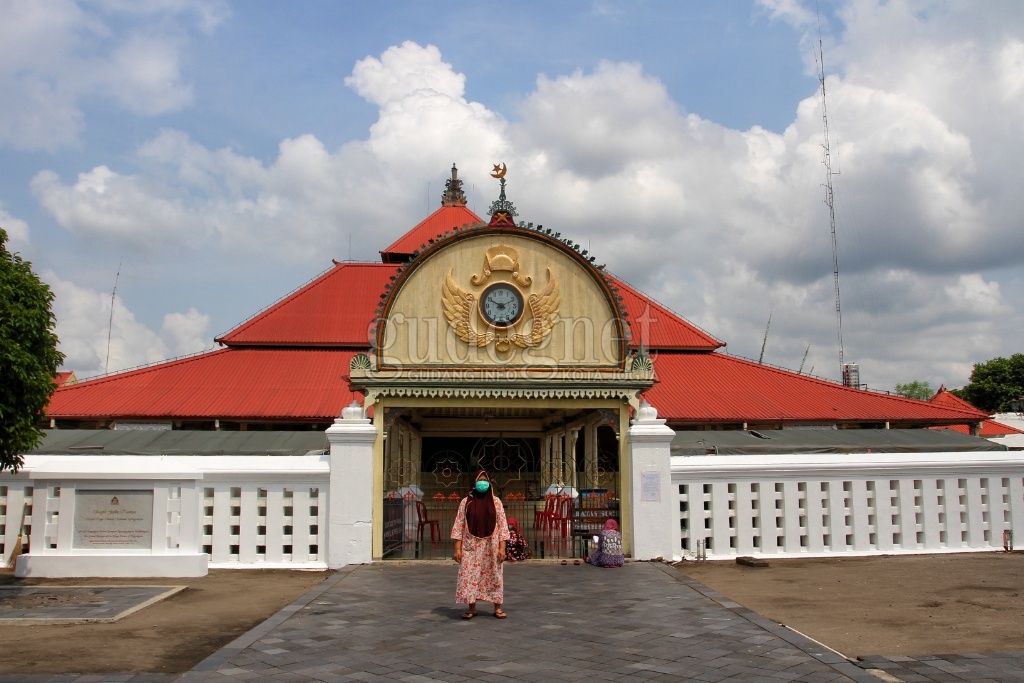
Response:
column 170, row 636
column 927, row 604
column 892, row 605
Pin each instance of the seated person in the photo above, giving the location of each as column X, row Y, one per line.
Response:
column 609, row 547
column 516, row 549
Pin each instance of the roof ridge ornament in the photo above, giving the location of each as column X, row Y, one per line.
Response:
column 453, row 194
column 502, row 211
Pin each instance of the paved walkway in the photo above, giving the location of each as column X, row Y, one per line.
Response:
column 389, row 622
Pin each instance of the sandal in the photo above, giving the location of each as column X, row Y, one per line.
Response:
column 564, row 563
column 500, row 614
column 469, row 615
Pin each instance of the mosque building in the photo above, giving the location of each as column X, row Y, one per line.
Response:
column 479, row 343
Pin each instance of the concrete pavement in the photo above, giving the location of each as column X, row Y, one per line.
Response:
column 645, row 621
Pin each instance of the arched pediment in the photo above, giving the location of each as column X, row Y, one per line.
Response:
column 486, row 297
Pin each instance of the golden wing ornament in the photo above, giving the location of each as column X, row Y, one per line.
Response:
column 458, row 309
column 544, row 307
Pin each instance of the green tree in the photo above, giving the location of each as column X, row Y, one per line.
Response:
column 995, row 383
column 922, row 391
column 28, row 356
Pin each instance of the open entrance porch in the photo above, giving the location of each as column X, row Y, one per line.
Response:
column 558, row 471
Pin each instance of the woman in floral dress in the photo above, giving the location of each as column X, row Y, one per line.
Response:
column 480, row 533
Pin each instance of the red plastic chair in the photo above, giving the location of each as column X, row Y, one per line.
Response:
column 542, row 518
column 562, row 517
column 424, row 520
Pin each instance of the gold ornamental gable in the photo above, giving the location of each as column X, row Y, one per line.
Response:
column 510, row 298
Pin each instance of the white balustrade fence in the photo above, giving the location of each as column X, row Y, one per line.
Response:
column 267, row 523
column 240, row 511
column 246, row 511
column 843, row 504
column 15, row 513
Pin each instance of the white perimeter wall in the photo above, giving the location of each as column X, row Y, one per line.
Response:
column 841, row 504
column 244, row 511
column 229, row 511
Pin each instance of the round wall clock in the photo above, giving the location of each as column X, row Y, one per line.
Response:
column 501, row 305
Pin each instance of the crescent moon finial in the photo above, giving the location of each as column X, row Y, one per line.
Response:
column 499, row 171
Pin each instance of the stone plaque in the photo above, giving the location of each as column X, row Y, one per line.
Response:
column 113, row 519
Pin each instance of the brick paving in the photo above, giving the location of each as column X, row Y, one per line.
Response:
column 644, row 622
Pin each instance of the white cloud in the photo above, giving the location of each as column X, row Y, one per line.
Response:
column 185, row 333
column 122, row 209
column 56, row 54
column 16, row 229
column 84, row 321
column 405, row 70
column 789, row 10
column 973, row 296
column 305, row 200
column 723, row 225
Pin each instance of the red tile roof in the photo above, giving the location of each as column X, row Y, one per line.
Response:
column 989, row 428
column 335, row 309
column 945, row 397
column 445, row 219
column 715, row 387
column 288, row 363
column 265, row 384
column 658, row 327
column 63, row 378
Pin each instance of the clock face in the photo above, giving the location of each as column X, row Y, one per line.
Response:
column 501, row 305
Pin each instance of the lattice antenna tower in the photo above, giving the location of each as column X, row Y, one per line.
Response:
column 830, row 197
column 110, row 323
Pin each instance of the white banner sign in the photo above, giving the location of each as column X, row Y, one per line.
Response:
column 650, row 487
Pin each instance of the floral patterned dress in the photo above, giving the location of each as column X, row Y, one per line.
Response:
column 609, row 552
column 480, row 575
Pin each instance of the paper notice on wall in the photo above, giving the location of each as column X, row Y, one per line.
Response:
column 113, row 519
column 650, row 487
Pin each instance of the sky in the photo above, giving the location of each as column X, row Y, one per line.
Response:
column 210, row 157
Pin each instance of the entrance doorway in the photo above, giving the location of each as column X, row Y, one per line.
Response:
column 559, row 480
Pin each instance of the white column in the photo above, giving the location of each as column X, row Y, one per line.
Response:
column 350, row 507
column 590, row 455
column 572, row 436
column 558, row 459
column 655, row 504
column 417, row 459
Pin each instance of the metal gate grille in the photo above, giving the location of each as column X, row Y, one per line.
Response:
column 557, row 521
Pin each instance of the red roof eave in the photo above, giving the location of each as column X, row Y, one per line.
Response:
column 232, row 383
column 714, row 387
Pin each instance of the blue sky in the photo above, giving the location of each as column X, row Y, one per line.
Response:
column 222, row 153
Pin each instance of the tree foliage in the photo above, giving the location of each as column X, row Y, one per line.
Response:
column 28, row 356
column 995, row 383
column 922, row 391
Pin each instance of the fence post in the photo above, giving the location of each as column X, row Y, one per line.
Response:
column 655, row 505
column 350, row 506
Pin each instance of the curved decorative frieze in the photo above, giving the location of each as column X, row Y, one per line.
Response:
column 603, row 393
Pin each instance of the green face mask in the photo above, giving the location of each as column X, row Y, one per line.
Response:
column 482, row 486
